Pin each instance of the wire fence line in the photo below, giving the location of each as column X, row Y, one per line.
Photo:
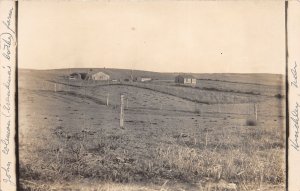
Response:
column 191, row 105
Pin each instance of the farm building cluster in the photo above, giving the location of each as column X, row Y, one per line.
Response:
column 89, row 76
column 101, row 76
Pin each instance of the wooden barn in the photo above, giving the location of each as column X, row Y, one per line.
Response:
column 185, row 79
column 101, row 76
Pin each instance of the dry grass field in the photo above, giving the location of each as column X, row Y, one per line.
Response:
column 174, row 137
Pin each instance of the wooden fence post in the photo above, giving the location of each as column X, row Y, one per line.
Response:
column 122, row 112
column 107, row 99
column 219, row 109
column 55, row 87
column 255, row 111
column 206, row 139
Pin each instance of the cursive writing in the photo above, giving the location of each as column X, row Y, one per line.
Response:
column 7, row 22
column 295, row 125
column 7, row 178
column 7, row 37
column 7, row 45
column 7, row 94
column 294, row 81
column 5, row 141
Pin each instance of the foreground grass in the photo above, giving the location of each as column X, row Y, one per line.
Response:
column 111, row 186
column 95, row 156
column 154, row 152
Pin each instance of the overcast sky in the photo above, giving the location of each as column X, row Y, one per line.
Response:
column 164, row 36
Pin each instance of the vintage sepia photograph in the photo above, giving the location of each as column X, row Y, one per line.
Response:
column 152, row 95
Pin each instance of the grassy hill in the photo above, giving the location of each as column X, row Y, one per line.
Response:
column 264, row 79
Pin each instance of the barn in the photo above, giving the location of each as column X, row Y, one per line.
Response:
column 98, row 76
column 185, row 79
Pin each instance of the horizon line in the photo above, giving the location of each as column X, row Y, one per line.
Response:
column 155, row 71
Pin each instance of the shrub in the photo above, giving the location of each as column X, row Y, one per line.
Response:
column 251, row 122
column 279, row 96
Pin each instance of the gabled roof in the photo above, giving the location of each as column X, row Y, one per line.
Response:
column 143, row 77
column 96, row 72
column 186, row 76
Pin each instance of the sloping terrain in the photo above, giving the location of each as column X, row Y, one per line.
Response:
column 70, row 137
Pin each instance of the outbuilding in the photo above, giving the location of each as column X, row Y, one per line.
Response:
column 75, row 76
column 185, row 79
column 143, row 79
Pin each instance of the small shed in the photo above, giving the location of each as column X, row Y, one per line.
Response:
column 143, row 79
column 75, row 76
column 185, row 79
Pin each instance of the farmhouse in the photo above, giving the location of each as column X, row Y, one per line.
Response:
column 185, row 79
column 143, row 79
column 98, row 76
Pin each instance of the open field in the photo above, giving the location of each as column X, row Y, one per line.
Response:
column 175, row 137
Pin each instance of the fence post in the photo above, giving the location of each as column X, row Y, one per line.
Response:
column 255, row 111
column 107, row 99
column 219, row 109
column 206, row 139
column 122, row 112
column 55, row 87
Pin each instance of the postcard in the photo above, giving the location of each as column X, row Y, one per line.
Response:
column 150, row 95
